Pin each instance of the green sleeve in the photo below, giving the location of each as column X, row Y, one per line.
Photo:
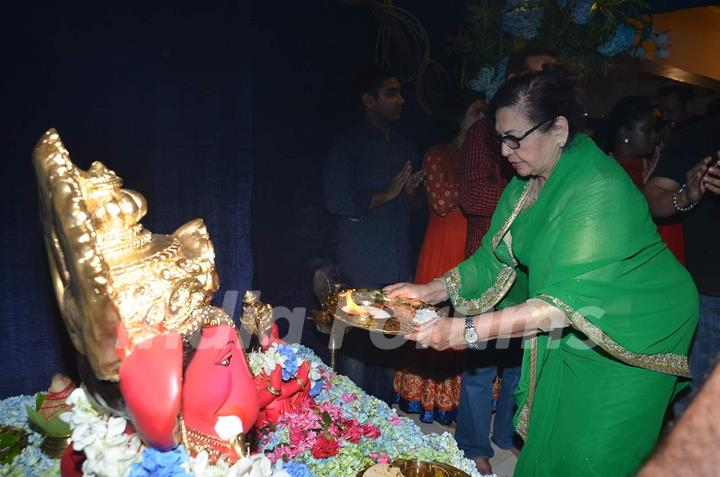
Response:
column 484, row 280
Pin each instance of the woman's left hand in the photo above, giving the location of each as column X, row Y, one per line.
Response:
column 440, row 334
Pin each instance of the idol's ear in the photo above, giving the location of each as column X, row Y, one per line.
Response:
column 151, row 384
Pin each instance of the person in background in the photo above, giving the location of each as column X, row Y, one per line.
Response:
column 687, row 186
column 692, row 449
column 631, row 140
column 483, row 177
column 431, row 383
column 676, row 105
column 369, row 184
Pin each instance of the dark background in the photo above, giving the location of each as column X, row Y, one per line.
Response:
column 160, row 93
column 199, row 106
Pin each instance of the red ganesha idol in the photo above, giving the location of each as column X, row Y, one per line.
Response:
column 137, row 308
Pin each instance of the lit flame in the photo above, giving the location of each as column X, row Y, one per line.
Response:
column 351, row 308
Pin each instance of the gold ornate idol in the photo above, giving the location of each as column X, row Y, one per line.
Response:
column 136, row 305
column 117, row 284
column 257, row 318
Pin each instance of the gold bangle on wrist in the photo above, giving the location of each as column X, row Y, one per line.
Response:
column 272, row 390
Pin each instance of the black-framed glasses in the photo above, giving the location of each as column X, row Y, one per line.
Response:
column 513, row 142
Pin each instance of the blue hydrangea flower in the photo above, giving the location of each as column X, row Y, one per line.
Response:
column 620, row 41
column 522, row 18
column 161, row 464
column 489, row 79
column 297, row 470
column 662, row 53
column 291, row 365
column 581, row 12
column 316, row 388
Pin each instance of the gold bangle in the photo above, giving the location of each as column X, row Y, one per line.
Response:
column 272, row 390
column 301, row 383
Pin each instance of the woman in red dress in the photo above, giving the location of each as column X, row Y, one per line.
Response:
column 431, row 386
column 631, row 140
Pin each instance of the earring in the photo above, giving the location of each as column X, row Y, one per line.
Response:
column 561, row 144
column 626, row 141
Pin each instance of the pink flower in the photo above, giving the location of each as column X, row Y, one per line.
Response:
column 354, row 434
column 335, row 413
column 379, row 458
column 395, row 420
column 371, row 431
column 347, row 397
column 334, row 430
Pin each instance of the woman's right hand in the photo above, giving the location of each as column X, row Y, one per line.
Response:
column 431, row 293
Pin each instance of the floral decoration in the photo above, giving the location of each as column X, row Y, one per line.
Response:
column 161, row 464
column 522, row 18
column 339, row 432
column 109, row 450
column 620, row 41
column 587, row 34
column 346, row 430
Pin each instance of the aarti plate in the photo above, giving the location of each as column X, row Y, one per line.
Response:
column 373, row 311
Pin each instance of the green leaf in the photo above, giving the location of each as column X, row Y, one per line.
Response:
column 327, row 420
column 39, row 400
column 11, row 444
column 55, row 427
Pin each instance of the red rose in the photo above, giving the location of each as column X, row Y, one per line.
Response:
column 371, row 431
column 324, row 448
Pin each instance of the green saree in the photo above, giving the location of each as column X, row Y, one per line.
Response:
column 592, row 396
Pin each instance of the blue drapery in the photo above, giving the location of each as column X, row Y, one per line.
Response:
column 161, row 95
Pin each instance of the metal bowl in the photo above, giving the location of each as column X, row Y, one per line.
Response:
column 419, row 468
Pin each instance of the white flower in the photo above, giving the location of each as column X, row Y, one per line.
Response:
column 255, row 466
column 228, row 427
column 265, row 362
column 199, row 466
column 109, row 451
column 314, row 373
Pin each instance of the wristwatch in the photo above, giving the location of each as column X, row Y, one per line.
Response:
column 471, row 336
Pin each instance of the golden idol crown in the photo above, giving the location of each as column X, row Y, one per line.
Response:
column 112, row 277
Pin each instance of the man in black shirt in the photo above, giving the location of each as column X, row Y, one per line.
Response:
column 370, row 187
column 686, row 184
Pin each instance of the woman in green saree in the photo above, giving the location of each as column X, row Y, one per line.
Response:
column 574, row 263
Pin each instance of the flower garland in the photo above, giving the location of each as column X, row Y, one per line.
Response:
column 340, row 432
column 109, row 450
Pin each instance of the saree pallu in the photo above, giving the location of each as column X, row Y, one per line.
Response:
column 592, row 396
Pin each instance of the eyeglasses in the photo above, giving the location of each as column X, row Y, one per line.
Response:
column 513, row 142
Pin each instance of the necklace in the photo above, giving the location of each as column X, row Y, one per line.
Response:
column 216, row 448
